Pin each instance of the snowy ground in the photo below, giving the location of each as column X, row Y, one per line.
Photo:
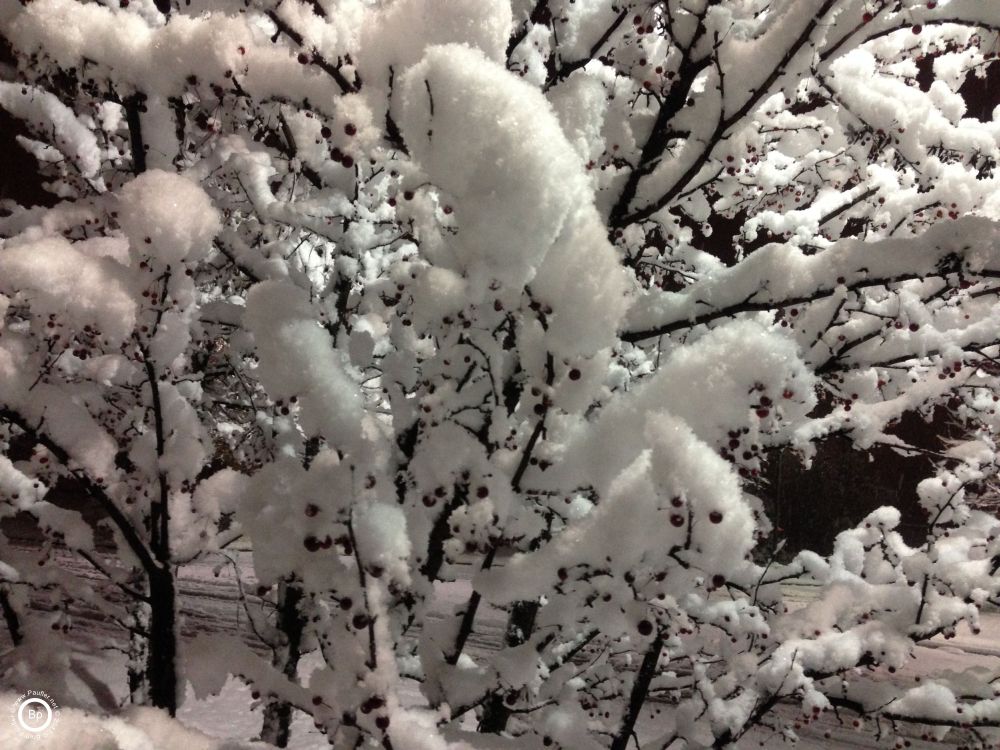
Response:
column 209, row 603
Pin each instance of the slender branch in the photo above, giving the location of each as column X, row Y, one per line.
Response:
column 121, row 522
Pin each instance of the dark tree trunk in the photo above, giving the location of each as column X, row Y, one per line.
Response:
column 161, row 664
column 11, row 618
column 138, row 655
column 277, row 724
column 519, row 628
column 640, row 689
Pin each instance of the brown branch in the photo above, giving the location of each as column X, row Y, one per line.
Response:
column 346, row 87
column 620, row 216
column 124, row 525
column 637, row 698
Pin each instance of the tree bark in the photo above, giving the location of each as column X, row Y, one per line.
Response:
column 11, row 618
column 276, row 727
column 161, row 663
column 138, row 654
column 519, row 627
column 640, row 689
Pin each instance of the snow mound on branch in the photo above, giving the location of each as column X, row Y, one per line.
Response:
column 135, row 729
column 59, row 279
column 727, row 363
column 494, row 144
column 167, row 216
column 157, row 60
column 298, row 359
column 397, row 35
column 523, row 205
column 380, row 530
column 632, row 521
column 41, row 108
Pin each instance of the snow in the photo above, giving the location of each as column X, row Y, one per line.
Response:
column 157, row 58
column 136, row 729
column 298, row 361
column 534, row 175
column 45, row 112
column 61, row 280
column 478, row 345
column 172, row 215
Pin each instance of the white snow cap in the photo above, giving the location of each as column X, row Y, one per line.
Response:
column 298, row 359
column 175, row 214
column 60, row 279
column 493, row 143
column 524, row 207
column 398, row 33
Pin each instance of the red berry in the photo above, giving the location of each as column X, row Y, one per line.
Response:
column 574, row 374
column 303, row 58
column 917, row 29
column 312, row 510
column 350, row 129
column 718, row 580
column 677, row 519
column 715, row 516
column 645, row 627
column 867, row 17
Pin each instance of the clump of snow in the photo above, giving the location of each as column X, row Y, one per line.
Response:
column 134, row 729
column 50, row 116
column 298, row 360
column 380, row 531
column 59, row 279
column 167, row 216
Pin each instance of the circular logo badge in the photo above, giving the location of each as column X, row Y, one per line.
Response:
column 35, row 712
